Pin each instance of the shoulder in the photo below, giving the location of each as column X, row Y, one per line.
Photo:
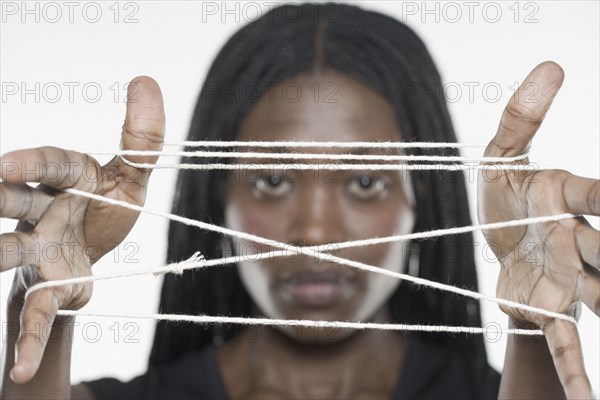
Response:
column 194, row 375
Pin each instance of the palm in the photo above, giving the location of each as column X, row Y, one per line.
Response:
column 73, row 233
column 541, row 264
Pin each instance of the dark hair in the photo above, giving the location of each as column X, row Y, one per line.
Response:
column 387, row 56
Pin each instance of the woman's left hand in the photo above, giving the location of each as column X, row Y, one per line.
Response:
column 550, row 265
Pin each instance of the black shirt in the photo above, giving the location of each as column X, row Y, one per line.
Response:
column 430, row 371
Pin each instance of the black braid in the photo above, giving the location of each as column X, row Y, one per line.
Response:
column 389, row 57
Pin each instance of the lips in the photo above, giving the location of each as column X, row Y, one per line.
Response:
column 316, row 289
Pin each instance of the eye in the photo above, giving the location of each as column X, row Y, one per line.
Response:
column 272, row 185
column 366, row 187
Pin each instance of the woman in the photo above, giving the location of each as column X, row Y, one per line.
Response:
column 370, row 61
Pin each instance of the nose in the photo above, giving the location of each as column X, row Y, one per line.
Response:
column 317, row 218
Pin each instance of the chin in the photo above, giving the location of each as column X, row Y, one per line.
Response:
column 323, row 334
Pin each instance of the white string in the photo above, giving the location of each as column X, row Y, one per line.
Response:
column 307, row 156
column 198, row 261
column 347, row 145
column 318, row 255
column 207, row 319
column 332, row 167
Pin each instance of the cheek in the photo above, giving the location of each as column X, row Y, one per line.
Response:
column 381, row 287
column 247, row 216
column 393, row 217
column 250, row 217
column 244, row 214
column 397, row 218
column 377, row 223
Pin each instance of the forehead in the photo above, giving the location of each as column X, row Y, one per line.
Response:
column 320, row 106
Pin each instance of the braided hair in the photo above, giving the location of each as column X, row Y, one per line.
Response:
column 387, row 56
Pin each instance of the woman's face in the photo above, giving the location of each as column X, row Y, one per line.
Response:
column 309, row 207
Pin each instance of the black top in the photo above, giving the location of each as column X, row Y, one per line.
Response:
column 430, row 371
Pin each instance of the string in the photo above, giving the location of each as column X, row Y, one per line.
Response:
column 319, row 255
column 326, row 144
column 332, row 167
column 307, row 156
column 198, row 261
column 207, row 319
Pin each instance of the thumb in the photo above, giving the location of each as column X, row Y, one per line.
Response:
column 144, row 128
column 525, row 111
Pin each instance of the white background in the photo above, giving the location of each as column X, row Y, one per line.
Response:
column 174, row 42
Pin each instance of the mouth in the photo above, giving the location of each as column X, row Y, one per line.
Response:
column 316, row 289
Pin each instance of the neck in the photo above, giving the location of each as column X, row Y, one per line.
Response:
column 266, row 363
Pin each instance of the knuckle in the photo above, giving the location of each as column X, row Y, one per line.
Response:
column 146, row 129
column 574, row 377
column 561, row 175
column 522, row 113
column 58, row 293
column 26, row 204
column 593, row 199
column 64, row 171
column 80, row 301
column 42, row 314
column 84, row 174
column 41, row 153
column 561, row 351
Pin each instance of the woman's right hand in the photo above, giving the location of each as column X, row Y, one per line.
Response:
column 59, row 235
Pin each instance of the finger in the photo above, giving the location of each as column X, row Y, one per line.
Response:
column 565, row 348
column 588, row 242
column 20, row 201
column 16, row 249
column 525, row 111
column 51, row 166
column 582, row 195
column 590, row 289
column 144, row 127
column 39, row 312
